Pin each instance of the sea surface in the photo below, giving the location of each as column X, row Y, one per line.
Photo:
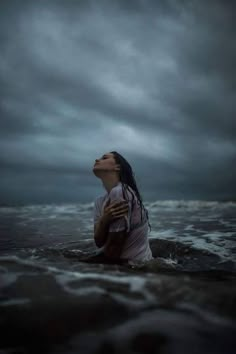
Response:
column 183, row 301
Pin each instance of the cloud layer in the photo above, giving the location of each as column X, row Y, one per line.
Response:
column 153, row 80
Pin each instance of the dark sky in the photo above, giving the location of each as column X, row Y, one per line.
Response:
column 153, row 80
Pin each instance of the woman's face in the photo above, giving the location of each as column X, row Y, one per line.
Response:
column 106, row 163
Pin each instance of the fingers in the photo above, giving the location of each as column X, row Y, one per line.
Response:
column 119, row 215
column 122, row 208
column 119, row 212
column 119, row 203
column 109, row 205
column 118, row 208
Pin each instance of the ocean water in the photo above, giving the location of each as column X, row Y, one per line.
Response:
column 183, row 300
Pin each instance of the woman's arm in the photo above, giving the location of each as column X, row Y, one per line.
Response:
column 101, row 229
column 115, row 244
column 112, row 212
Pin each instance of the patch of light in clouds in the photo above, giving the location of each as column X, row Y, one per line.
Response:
column 123, row 92
column 144, row 144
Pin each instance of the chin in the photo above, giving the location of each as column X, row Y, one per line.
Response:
column 96, row 172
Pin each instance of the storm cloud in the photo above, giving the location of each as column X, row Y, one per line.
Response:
column 153, row 80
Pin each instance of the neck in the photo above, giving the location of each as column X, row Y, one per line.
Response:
column 110, row 183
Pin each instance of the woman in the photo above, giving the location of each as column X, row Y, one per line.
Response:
column 120, row 219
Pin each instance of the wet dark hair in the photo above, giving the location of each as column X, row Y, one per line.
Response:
column 127, row 178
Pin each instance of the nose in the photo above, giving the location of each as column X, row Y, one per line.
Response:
column 96, row 160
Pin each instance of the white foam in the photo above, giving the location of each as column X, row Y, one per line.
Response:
column 188, row 204
column 170, row 261
column 162, row 233
column 11, row 302
column 189, row 228
column 136, row 283
column 147, row 300
column 202, row 244
column 90, row 290
column 218, row 234
column 22, row 261
column 8, row 279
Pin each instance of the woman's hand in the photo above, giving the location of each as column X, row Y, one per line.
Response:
column 115, row 210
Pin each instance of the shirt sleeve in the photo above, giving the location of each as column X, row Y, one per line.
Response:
column 122, row 223
column 97, row 210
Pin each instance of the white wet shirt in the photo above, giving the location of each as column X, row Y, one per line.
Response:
column 136, row 246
